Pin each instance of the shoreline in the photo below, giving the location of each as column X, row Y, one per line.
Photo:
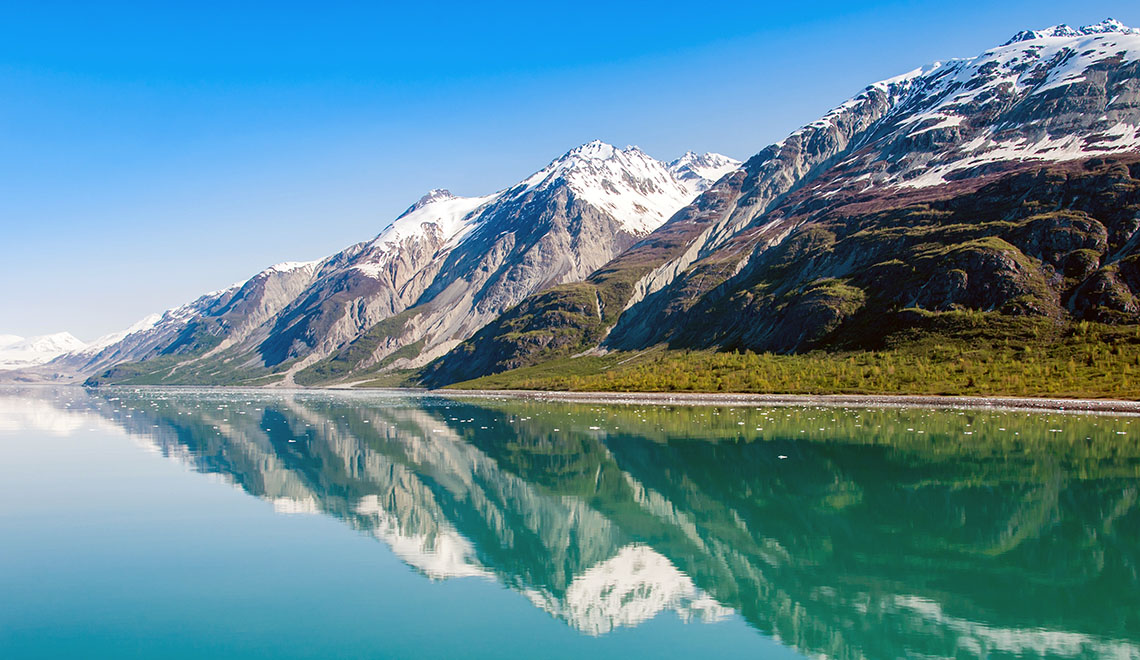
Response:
column 1039, row 404
column 1118, row 406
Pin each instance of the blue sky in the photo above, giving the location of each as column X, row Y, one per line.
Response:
column 150, row 154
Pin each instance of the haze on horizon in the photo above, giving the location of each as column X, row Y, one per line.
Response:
column 150, row 156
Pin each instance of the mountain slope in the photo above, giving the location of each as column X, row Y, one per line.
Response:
column 185, row 335
column 759, row 249
column 557, row 226
column 438, row 273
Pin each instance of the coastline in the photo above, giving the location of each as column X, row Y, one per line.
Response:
column 1115, row 406
column 1039, row 404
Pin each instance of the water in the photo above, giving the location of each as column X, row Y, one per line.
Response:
column 172, row 524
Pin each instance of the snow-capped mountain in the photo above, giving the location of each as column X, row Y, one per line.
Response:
column 556, row 226
column 640, row 192
column 602, row 249
column 18, row 353
column 195, row 330
column 699, row 171
column 1055, row 98
column 1045, row 96
column 436, row 274
column 1107, row 26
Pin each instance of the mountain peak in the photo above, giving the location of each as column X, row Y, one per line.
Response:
column 60, row 337
column 638, row 190
column 691, row 160
column 592, row 150
column 433, row 195
column 288, row 266
column 1107, row 26
column 438, row 213
column 702, row 170
column 597, row 150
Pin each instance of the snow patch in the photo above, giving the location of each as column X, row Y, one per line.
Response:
column 636, row 189
column 439, row 213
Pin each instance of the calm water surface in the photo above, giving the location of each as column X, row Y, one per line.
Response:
column 178, row 524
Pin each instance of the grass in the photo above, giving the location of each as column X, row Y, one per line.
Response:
column 342, row 364
column 189, row 369
column 394, row 378
column 957, row 353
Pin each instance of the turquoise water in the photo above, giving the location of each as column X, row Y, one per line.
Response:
column 173, row 524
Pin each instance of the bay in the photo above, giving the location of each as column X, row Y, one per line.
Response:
column 231, row 523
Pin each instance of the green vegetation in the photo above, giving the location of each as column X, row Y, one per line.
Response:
column 173, row 370
column 223, row 369
column 950, row 353
column 344, row 362
column 553, row 324
column 394, row 378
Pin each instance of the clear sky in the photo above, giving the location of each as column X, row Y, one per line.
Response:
column 149, row 154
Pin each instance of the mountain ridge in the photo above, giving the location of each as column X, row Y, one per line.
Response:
column 444, row 267
column 935, row 132
column 606, row 249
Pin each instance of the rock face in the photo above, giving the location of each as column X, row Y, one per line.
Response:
column 1030, row 243
column 443, row 269
column 772, row 258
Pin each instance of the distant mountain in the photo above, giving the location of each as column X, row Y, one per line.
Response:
column 699, row 171
column 1002, row 183
column 443, row 269
column 18, row 353
column 192, row 332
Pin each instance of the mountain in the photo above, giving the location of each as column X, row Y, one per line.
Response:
column 699, row 171
column 189, row 335
column 443, row 269
column 1005, row 184
column 17, row 352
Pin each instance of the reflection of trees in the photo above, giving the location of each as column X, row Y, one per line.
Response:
column 871, row 539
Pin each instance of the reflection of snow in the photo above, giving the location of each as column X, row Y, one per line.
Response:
column 633, row 586
column 439, row 553
column 18, row 413
column 981, row 640
column 292, row 505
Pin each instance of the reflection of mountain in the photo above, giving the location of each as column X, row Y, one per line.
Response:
column 884, row 533
column 401, row 474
